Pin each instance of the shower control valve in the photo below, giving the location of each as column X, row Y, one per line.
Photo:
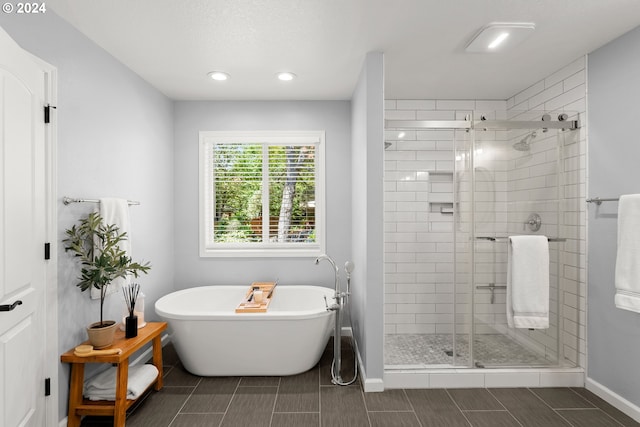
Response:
column 534, row 221
column 332, row 307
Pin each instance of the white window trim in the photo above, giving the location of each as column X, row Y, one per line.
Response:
column 263, row 250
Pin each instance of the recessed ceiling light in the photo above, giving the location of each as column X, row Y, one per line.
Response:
column 286, row 76
column 219, row 75
column 499, row 36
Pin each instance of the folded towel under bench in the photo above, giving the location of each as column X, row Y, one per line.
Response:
column 103, row 385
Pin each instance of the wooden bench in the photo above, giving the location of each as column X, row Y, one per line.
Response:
column 78, row 406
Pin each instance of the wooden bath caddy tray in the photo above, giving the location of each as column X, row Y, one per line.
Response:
column 247, row 306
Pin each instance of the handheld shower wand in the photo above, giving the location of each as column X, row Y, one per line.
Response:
column 349, row 266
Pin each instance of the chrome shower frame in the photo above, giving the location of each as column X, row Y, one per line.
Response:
column 561, row 123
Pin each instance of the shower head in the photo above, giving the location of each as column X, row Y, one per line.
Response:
column 521, row 146
column 387, row 144
column 525, row 143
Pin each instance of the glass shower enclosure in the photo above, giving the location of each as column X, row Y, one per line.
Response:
column 454, row 192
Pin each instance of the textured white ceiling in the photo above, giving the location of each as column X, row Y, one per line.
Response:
column 173, row 44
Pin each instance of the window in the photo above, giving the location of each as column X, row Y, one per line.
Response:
column 247, row 177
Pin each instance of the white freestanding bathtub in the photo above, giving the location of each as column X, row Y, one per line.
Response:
column 212, row 340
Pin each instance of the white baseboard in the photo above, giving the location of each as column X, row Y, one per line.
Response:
column 373, row 385
column 368, row 384
column 613, row 398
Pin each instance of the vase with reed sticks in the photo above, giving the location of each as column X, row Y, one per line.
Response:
column 131, row 293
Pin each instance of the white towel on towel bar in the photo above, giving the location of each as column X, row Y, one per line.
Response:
column 116, row 211
column 528, row 282
column 627, row 278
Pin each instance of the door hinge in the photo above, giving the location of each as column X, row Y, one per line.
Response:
column 47, row 251
column 47, row 386
column 47, row 113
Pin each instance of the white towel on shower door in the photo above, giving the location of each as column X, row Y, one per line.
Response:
column 116, row 211
column 627, row 278
column 528, row 282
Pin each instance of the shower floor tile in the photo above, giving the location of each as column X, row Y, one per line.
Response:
column 425, row 350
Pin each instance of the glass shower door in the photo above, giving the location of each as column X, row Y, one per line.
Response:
column 424, row 264
column 454, row 192
column 516, row 192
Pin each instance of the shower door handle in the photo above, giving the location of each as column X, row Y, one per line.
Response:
column 9, row 307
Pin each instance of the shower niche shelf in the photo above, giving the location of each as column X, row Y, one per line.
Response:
column 443, row 208
column 441, row 192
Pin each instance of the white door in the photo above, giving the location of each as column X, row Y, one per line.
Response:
column 22, row 237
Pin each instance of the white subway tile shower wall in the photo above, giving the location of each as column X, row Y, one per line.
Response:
column 419, row 186
column 418, row 237
column 563, row 91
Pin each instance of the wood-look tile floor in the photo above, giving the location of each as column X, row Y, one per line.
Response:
column 309, row 399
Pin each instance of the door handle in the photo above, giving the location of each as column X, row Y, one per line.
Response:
column 9, row 307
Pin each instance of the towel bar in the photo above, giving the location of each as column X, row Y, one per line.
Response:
column 68, row 200
column 492, row 287
column 505, row 239
column 598, row 200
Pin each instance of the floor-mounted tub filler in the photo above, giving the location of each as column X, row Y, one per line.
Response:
column 340, row 305
column 211, row 339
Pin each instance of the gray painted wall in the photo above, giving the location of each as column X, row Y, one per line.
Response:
column 119, row 137
column 115, row 137
column 367, row 236
column 614, row 151
column 191, row 117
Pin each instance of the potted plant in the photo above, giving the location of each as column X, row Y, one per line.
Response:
column 96, row 246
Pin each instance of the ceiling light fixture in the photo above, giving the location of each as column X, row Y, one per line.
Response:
column 498, row 41
column 219, row 76
column 499, row 36
column 286, row 76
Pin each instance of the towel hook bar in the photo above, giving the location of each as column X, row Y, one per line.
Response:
column 68, row 200
column 506, row 239
column 598, row 200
